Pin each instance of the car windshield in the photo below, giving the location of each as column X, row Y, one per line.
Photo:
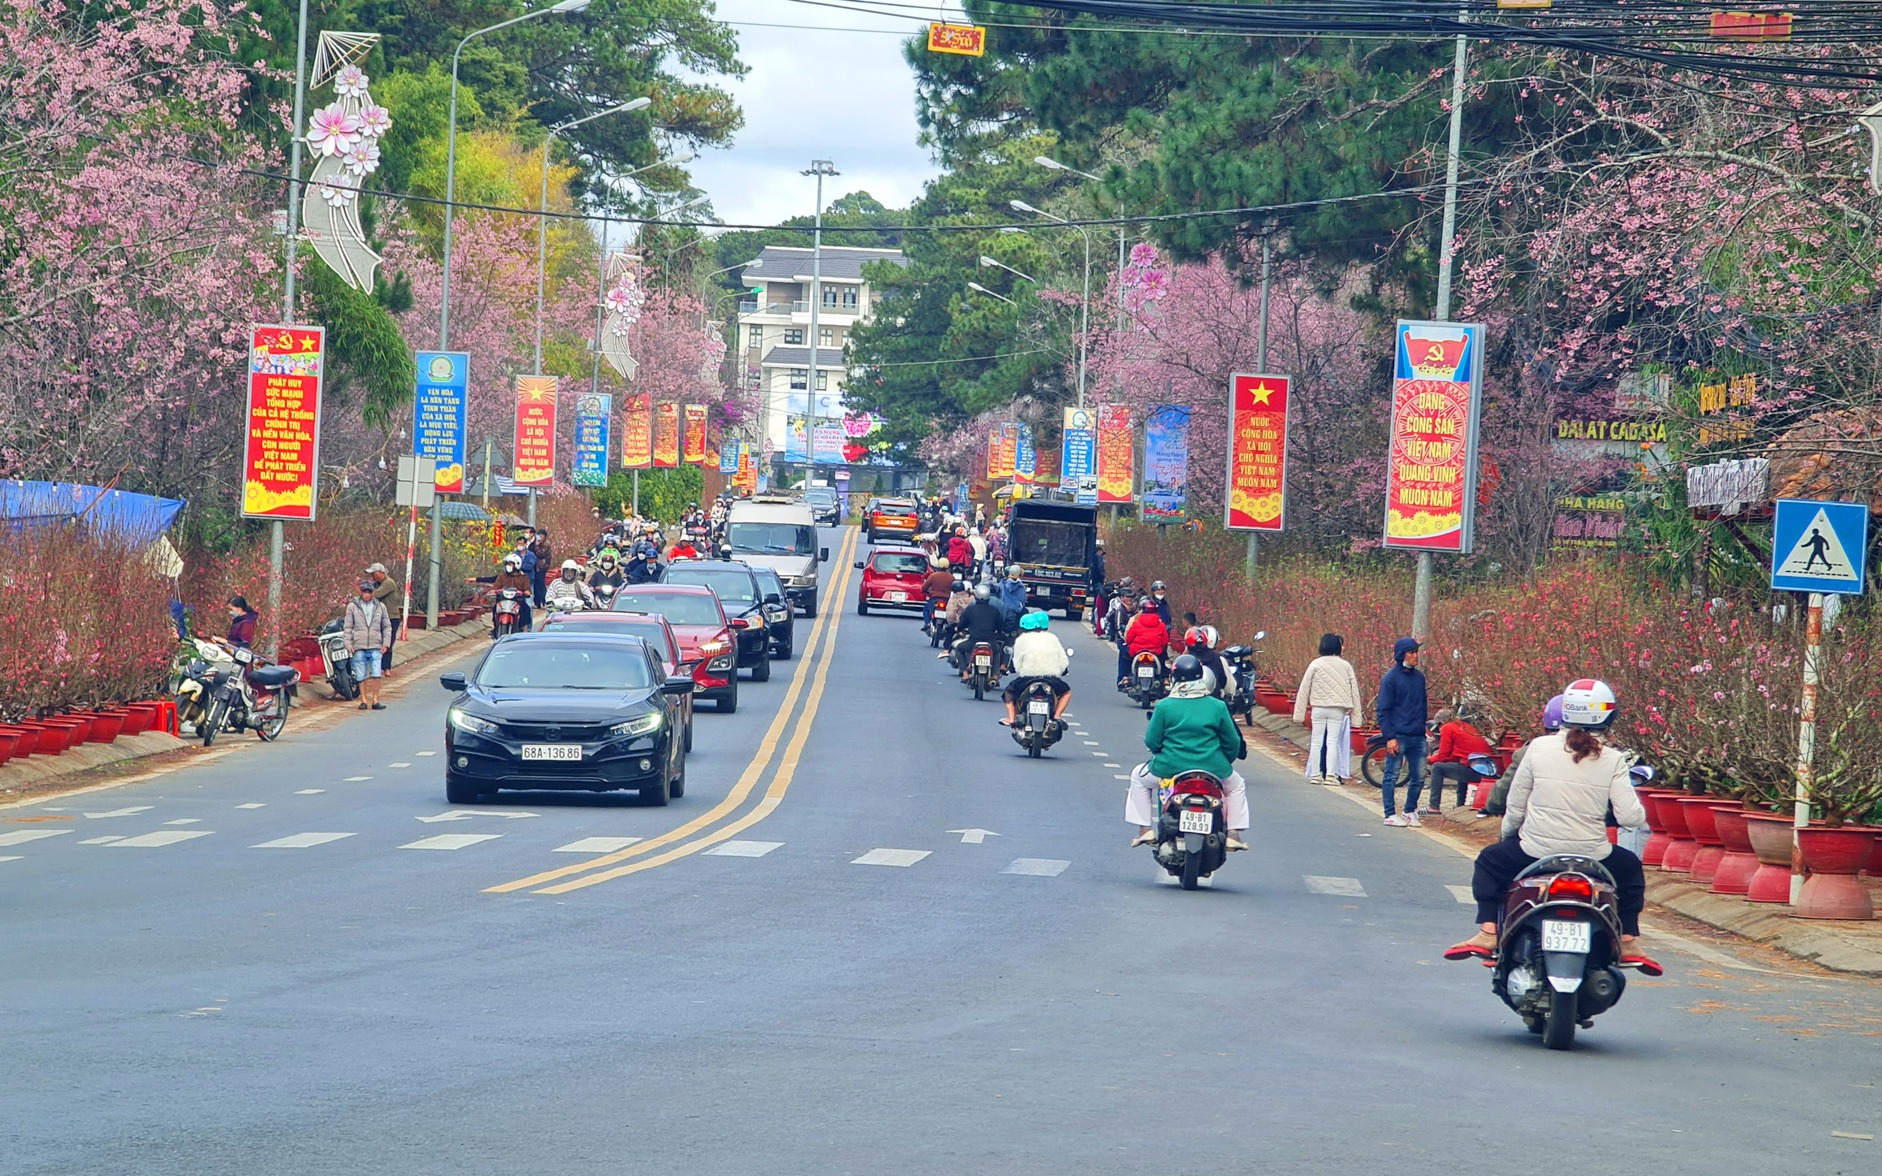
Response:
column 652, row 631
column 542, row 665
column 772, row 538
column 768, row 581
column 895, row 508
column 906, row 564
column 729, row 585
column 820, row 496
column 680, row 608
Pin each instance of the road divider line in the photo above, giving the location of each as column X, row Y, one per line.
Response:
column 748, row 779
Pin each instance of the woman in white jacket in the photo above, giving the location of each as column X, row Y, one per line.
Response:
column 1329, row 694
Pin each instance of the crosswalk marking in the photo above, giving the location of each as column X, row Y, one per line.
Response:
column 185, row 821
column 123, row 812
column 101, row 840
column 301, row 841
column 10, row 858
column 450, row 840
column 748, row 849
column 251, row 806
column 403, row 765
column 156, row 840
column 309, row 791
column 891, row 857
column 22, row 836
column 1345, row 887
column 1037, row 867
column 356, row 779
column 598, row 845
column 1462, row 894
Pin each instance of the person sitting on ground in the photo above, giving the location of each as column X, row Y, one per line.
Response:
column 1189, row 731
column 1458, row 741
column 1037, row 657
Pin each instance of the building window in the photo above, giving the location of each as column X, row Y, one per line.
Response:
column 823, row 381
column 849, row 298
column 829, row 297
column 826, row 337
column 793, row 336
column 756, row 335
column 799, row 376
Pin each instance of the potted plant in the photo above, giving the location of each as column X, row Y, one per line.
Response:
column 1845, row 789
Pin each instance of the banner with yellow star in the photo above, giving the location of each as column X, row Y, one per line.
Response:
column 1257, row 462
column 535, row 432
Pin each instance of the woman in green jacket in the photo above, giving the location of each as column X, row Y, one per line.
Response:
column 1191, row 730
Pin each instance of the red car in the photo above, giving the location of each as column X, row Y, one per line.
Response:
column 708, row 650
column 650, row 627
column 892, row 578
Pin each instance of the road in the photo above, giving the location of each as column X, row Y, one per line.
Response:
column 804, row 966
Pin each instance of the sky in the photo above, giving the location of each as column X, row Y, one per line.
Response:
column 812, row 94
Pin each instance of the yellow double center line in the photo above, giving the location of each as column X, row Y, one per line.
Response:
column 813, row 671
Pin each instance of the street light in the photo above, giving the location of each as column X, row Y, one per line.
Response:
column 669, row 161
column 1051, row 164
column 987, row 261
column 1055, row 165
column 1084, row 303
column 542, row 219
column 980, row 289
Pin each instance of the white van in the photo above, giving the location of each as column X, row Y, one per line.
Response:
column 772, row 531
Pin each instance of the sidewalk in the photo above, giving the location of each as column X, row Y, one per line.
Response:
column 93, row 764
column 1855, row 948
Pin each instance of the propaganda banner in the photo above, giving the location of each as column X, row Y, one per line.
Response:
column 1431, row 465
column 594, row 421
column 964, row 40
column 666, row 436
column 637, row 432
column 535, row 432
column 746, row 479
column 1256, row 485
column 729, row 454
column 1078, row 455
column 1117, row 472
column 1002, row 453
column 693, row 441
column 439, row 408
column 281, row 445
column 1166, row 465
column 1025, row 456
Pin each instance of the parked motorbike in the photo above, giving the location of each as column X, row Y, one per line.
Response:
column 1558, row 963
column 983, row 669
column 337, row 660
column 1146, row 680
column 207, row 671
column 256, row 698
column 1240, row 660
column 1192, row 832
column 509, row 612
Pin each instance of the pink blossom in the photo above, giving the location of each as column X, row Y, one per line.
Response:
column 332, row 131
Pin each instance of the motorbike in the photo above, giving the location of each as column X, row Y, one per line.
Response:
column 207, row 671
column 508, row 612
column 565, row 606
column 983, row 669
column 1192, row 831
column 604, row 596
column 1240, row 660
column 1558, row 963
column 1038, row 729
column 338, row 661
column 255, row 698
column 937, row 627
column 1146, row 680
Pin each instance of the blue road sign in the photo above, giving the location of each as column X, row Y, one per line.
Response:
column 1819, row 546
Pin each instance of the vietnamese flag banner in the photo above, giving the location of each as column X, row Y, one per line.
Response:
column 637, row 433
column 1431, row 466
column 666, row 436
column 535, row 432
column 1257, row 470
column 1002, row 453
column 1117, row 474
column 693, row 448
column 281, row 443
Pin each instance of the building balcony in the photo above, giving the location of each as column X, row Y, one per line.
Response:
column 751, row 308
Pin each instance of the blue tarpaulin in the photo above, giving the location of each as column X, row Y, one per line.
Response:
column 135, row 518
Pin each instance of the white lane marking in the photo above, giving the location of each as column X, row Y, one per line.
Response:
column 1120, row 775
column 1109, row 764
column 467, row 814
column 1037, row 867
column 101, row 840
column 450, row 840
column 22, row 836
column 406, row 764
column 123, row 812
column 1345, row 887
column 185, row 821
column 1091, row 743
column 251, row 805
column 301, row 841
column 598, row 844
column 425, row 753
column 155, row 840
column 1461, row 894
column 11, row 858
column 356, row 779
column 309, row 791
column 1099, row 754
column 891, row 857
column 974, row 836
column 748, row 849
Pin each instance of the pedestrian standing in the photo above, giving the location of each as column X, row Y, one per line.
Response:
column 1098, row 601
column 545, row 556
column 1329, row 696
column 385, row 590
column 368, row 629
column 1402, row 712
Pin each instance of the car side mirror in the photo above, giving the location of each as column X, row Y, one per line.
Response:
column 773, row 598
column 823, row 555
column 453, row 681
column 678, row 685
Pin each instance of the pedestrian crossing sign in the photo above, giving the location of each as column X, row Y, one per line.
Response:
column 1819, row 546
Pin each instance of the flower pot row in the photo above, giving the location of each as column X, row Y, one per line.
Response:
column 1744, row 851
column 54, row 734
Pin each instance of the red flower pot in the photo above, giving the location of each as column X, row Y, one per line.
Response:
column 1739, row 864
column 82, row 723
column 1832, row 858
column 26, row 739
column 1874, row 868
column 1705, row 862
column 1360, row 735
column 1680, row 846
column 105, row 726
column 137, row 719
column 8, row 741
column 53, row 737
column 1770, row 836
column 1654, row 852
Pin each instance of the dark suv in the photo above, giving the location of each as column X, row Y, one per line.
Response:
column 743, row 599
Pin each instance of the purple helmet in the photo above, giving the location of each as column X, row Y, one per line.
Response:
column 1552, row 714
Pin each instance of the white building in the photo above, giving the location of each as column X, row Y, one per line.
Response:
column 774, row 345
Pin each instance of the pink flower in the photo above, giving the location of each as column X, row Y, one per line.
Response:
column 362, row 158
column 332, row 131
column 350, row 82
column 374, row 121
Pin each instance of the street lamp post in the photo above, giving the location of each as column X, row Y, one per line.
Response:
column 977, row 288
column 1051, row 164
column 819, row 168
column 277, row 539
column 1084, row 303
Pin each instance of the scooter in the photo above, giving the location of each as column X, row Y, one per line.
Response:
column 254, row 699
column 1192, row 833
column 1146, row 680
column 1240, row 660
column 1558, row 963
column 509, row 612
column 604, row 597
column 983, row 669
column 337, row 660
column 1038, row 729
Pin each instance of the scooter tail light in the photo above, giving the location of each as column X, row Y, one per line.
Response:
column 1571, row 888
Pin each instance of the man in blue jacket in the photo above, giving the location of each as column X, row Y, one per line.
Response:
column 1402, row 714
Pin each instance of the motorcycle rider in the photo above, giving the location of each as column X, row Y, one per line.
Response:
column 1191, row 730
column 979, row 621
column 1037, row 657
column 1200, row 641
column 682, row 548
column 1148, row 632
column 935, row 589
column 1558, row 804
column 568, row 590
column 1161, row 596
column 643, row 562
column 959, row 597
column 607, row 571
column 513, row 577
column 960, row 553
column 1120, row 610
column 1013, row 599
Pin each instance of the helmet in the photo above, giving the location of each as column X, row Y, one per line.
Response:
column 1012, row 573
column 1187, row 668
column 1147, row 605
column 1127, row 582
column 1035, row 621
column 1589, row 703
column 607, row 557
column 960, row 585
column 1200, row 636
column 942, row 562
column 1552, row 714
column 982, row 592
column 1157, row 586
column 569, row 565
column 512, row 560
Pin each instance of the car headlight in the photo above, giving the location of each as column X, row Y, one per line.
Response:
column 708, row 648
column 472, row 723
column 640, row 725
column 797, row 581
column 719, row 664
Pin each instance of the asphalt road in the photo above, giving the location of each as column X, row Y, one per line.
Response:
column 746, row 990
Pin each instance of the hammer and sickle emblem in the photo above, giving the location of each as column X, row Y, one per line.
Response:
column 1436, row 354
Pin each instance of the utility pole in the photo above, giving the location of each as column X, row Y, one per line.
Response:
column 1261, row 365
column 819, row 168
column 277, row 539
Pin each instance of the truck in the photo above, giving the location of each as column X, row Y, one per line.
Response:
column 1053, row 544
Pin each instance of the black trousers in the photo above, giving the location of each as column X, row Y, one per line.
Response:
column 1460, row 774
column 1498, row 865
column 385, row 663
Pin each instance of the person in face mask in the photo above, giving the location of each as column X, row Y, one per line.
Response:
column 1160, row 595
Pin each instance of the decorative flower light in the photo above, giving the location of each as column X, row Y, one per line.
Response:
column 374, row 121
column 332, row 131
column 339, row 191
column 624, row 301
column 362, row 159
column 350, row 82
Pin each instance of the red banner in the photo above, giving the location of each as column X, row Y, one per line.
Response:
column 1431, row 468
column 281, row 449
column 637, row 433
column 666, row 436
column 1117, row 475
column 1257, row 471
column 746, row 479
column 535, row 432
column 965, row 40
column 693, row 442
column 1002, row 452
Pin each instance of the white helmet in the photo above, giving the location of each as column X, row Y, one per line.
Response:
column 1589, row 703
column 569, row 565
column 512, row 560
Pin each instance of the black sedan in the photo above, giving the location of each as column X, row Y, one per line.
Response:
column 582, row 712
column 743, row 599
